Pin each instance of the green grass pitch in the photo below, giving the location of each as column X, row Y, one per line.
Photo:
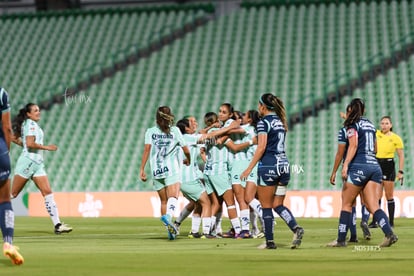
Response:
column 139, row 246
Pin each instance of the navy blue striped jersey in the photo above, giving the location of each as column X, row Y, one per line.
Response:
column 365, row 133
column 276, row 134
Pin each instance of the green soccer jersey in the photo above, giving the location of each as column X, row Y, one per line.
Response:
column 164, row 159
column 217, row 158
column 31, row 128
column 189, row 173
column 237, row 138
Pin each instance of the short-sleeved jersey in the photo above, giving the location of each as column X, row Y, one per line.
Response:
column 251, row 133
column 31, row 128
column 217, row 158
column 365, row 131
column 342, row 139
column 189, row 173
column 237, row 138
column 164, row 159
column 388, row 144
column 272, row 126
column 4, row 106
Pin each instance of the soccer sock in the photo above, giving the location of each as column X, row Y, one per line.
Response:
column 391, row 210
column 206, row 225
column 245, row 219
column 256, row 206
column 287, row 216
column 352, row 224
column 268, row 223
column 344, row 220
column 171, row 206
column 253, row 221
column 7, row 221
column 183, row 215
column 236, row 225
column 218, row 222
column 381, row 218
column 195, row 224
column 52, row 208
column 365, row 213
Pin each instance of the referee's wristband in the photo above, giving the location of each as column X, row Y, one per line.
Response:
column 401, row 172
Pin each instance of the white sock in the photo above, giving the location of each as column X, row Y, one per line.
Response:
column 52, row 208
column 218, row 222
column 253, row 221
column 245, row 219
column 195, row 224
column 236, row 225
column 256, row 206
column 171, row 206
column 206, row 225
column 183, row 215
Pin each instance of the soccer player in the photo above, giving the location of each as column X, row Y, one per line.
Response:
column 237, row 163
column 6, row 209
column 361, row 172
column 216, row 176
column 30, row 164
column 191, row 185
column 389, row 143
column 162, row 143
column 339, row 157
column 273, row 169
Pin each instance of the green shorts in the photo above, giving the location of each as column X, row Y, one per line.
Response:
column 160, row 183
column 192, row 190
column 236, row 170
column 218, row 183
column 253, row 176
column 27, row 168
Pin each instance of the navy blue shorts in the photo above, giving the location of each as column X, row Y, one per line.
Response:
column 272, row 175
column 360, row 174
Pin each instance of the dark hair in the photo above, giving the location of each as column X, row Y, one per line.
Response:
column 20, row 118
column 357, row 109
column 387, row 117
column 238, row 114
column 230, row 108
column 182, row 124
column 165, row 118
column 254, row 115
column 275, row 104
column 210, row 118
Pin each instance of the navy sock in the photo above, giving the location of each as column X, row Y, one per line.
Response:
column 381, row 218
column 391, row 210
column 268, row 223
column 344, row 220
column 7, row 221
column 365, row 213
column 352, row 224
column 287, row 216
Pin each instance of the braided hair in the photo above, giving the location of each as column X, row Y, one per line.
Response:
column 357, row 109
column 165, row 118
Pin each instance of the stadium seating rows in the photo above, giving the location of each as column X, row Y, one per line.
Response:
column 286, row 50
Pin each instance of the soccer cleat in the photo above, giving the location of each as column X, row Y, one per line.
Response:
column 365, row 230
column 62, row 228
column 244, row 234
column 207, row 236
column 336, row 243
column 389, row 240
column 353, row 240
column 12, row 253
column 297, row 237
column 194, row 235
column 268, row 245
column 172, row 232
column 373, row 224
column 230, row 234
column 258, row 235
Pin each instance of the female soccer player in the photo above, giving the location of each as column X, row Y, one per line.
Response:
column 273, row 168
column 30, row 164
column 361, row 172
column 6, row 210
column 388, row 144
column 162, row 143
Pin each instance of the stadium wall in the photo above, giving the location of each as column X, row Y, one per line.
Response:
column 308, row 204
